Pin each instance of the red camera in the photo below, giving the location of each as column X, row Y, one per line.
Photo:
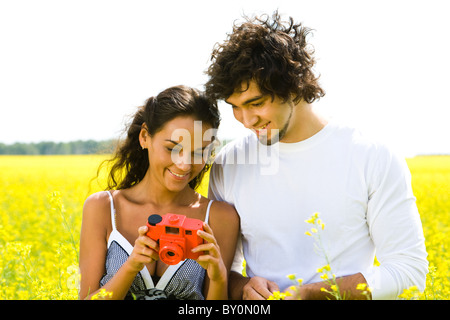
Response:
column 177, row 236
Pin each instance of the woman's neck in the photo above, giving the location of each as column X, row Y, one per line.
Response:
column 150, row 191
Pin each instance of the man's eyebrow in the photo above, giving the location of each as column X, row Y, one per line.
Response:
column 253, row 99
column 248, row 101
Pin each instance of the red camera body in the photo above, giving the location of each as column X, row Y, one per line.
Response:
column 177, row 236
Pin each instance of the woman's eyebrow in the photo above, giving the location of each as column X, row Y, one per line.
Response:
column 176, row 143
column 172, row 141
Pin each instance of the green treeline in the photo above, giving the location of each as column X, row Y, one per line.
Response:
column 48, row 147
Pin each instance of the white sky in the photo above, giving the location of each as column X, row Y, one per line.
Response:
column 73, row 70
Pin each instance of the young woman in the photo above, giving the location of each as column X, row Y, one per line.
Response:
column 156, row 171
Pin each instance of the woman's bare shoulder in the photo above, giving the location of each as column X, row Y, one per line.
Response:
column 97, row 207
column 98, row 200
column 224, row 212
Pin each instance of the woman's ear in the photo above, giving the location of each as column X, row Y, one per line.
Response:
column 144, row 137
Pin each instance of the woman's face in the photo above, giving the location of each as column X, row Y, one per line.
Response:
column 178, row 152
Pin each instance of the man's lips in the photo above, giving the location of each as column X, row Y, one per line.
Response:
column 261, row 128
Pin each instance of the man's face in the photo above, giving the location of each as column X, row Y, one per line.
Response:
column 269, row 119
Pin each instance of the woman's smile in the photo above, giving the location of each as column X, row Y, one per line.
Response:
column 178, row 176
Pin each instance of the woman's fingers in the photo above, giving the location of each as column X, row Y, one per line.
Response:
column 208, row 259
column 207, row 233
column 146, row 246
column 142, row 230
column 210, row 248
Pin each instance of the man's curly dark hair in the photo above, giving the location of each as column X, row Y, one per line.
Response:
column 272, row 52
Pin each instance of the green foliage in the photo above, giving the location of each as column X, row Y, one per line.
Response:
column 55, row 148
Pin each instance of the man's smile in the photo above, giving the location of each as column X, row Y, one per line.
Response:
column 260, row 128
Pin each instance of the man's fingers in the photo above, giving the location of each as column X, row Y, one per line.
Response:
column 259, row 289
column 264, row 292
column 253, row 294
column 273, row 287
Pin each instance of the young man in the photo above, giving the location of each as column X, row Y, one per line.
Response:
column 361, row 190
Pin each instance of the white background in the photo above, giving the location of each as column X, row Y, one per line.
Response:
column 74, row 70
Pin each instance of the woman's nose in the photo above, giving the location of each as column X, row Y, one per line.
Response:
column 184, row 161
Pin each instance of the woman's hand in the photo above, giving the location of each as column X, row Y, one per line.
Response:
column 144, row 252
column 211, row 261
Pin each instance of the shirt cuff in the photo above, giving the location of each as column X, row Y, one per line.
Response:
column 382, row 284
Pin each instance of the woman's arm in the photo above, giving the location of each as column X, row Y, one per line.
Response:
column 93, row 243
column 222, row 239
column 93, row 248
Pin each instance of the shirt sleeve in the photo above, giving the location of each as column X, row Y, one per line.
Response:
column 216, row 191
column 238, row 262
column 396, row 229
column 216, row 183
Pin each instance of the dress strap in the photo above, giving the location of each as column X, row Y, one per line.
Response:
column 207, row 211
column 113, row 210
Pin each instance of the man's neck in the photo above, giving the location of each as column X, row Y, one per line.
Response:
column 305, row 123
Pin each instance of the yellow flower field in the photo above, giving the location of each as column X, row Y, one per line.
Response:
column 41, row 203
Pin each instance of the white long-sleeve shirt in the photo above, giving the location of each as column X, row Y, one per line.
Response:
column 361, row 190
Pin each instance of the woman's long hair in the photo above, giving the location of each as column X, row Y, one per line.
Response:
column 130, row 162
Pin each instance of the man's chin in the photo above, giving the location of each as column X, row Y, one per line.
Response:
column 268, row 141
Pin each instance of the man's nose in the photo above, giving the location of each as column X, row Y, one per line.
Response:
column 247, row 117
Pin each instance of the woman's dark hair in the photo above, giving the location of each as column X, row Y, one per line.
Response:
column 271, row 52
column 130, row 162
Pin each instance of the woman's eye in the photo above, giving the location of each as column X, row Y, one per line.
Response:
column 198, row 153
column 174, row 149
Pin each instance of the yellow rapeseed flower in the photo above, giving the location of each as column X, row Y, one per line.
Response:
column 102, row 295
column 291, row 276
column 361, row 286
column 36, row 247
column 277, row 295
column 412, row 293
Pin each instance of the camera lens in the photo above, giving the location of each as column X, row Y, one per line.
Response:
column 171, row 253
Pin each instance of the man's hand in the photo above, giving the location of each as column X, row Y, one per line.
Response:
column 347, row 285
column 258, row 288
